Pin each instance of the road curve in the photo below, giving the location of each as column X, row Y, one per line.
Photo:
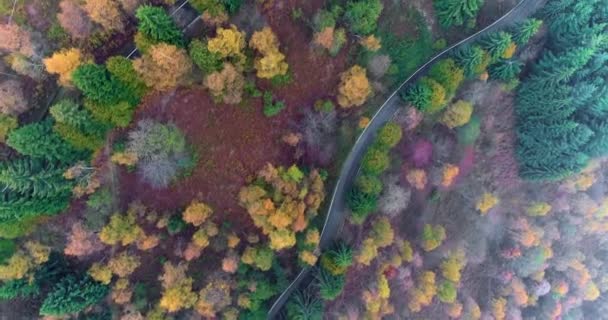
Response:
column 337, row 207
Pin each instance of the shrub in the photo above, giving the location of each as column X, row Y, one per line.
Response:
column 157, row 25
column 389, row 135
column 72, row 295
column 175, row 225
column 375, row 161
column 458, row 114
column 362, row 16
column 330, row 286
column 432, row 237
column 271, row 107
column 204, row 59
column 162, row 152
column 354, row 87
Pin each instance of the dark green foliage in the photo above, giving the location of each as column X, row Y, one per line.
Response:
column 561, row 106
column 505, row 69
column 157, row 25
column 232, row 6
column 419, row 95
column 375, row 161
column 281, row 80
column 122, row 69
column 20, row 288
column 330, row 286
column 408, row 53
column 361, row 204
column 467, row 134
column 7, row 248
column 175, row 225
column 303, row 305
column 32, row 187
column 456, row 12
column 77, row 126
column 369, row 184
column 38, row 140
column 206, row 60
column 389, row 135
column 100, row 86
column 362, row 15
column 471, row 59
column 72, row 295
column 526, row 30
column 272, row 107
column 496, row 43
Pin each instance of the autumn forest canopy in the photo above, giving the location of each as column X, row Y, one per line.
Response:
column 168, row 160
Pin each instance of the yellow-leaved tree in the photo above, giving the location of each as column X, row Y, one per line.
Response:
column 272, row 62
column 197, row 213
column 228, row 42
column 106, row 13
column 164, row 67
column 63, row 63
column 354, row 87
column 122, row 229
column 177, row 288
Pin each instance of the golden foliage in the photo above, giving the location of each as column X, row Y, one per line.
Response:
column 228, row 42
column 308, row 257
column 423, row 294
column 122, row 229
column 458, row 114
column 100, row 273
column 233, row 240
column 226, row 85
column 272, row 63
column 382, row 232
column 17, row 267
column 164, row 67
column 451, row 268
column 63, row 63
column 124, row 264
column 417, row 178
column 354, row 87
column 106, row 13
column 509, row 51
column 38, row 252
column 363, row 122
column 499, row 308
column 312, row 236
column 124, row 158
column 122, row 292
column 213, row 298
column 197, row 213
column 591, row 292
column 371, row 43
column 177, row 293
column 538, row 209
column 486, row 202
column 367, row 253
column 450, row 172
column 286, row 209
column 405, row 250
column 147, row 242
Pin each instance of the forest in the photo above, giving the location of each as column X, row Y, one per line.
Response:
column 303, row 159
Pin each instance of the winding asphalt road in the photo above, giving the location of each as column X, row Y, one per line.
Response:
column 337, row 207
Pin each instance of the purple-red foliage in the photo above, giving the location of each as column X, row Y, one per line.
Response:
column 422, row 153
column 467, row 161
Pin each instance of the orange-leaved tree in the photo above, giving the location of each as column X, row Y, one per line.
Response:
column 164, row 67
column 354, row 87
